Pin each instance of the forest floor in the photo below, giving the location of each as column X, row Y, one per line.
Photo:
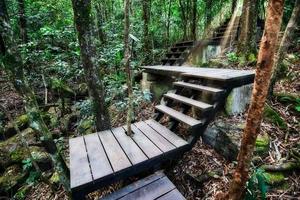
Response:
column 202, row 172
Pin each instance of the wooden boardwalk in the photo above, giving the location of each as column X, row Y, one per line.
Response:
column 102, row 158
column 154, row 187
column 105, row 155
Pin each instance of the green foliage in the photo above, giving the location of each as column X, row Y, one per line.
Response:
column 289, row 99
column 27, row 164
column 256, row 186
column 232, row 57
column 33, row 177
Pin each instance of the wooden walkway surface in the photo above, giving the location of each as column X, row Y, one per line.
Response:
column 154, row 187
column 102, row 156
column 224, row 75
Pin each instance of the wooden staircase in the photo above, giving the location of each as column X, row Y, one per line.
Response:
column 178, row 54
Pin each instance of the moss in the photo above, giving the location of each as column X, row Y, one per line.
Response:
column 22, row 121
column 274, row 117
column 86, row 126
column 12, row 176
column 229, row 103
column 54, row 178
column 274, row 178
column 262, row 144
column 22, row 191
column 252, row 58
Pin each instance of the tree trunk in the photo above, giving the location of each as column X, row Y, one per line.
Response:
column 168, row 22
column 13, row 66
column 285, row 43
column 94, row 78
column 194, row 20
column 208, row 6
column 261, row 84
column 233, row 5
column 183, row 18
column 127, row 65
column 100, row 21
column 146, row 36
column 22, row 21
column 247, row 38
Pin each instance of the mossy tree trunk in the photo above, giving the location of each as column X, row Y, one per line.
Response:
column 247, row 38
column 12, row 64
column 22, row 21
column 100, row 22
column 194, row 20
column 286, row 42
column 146, row 36
column 259, row 94
column 93, row 76
column 127, row 65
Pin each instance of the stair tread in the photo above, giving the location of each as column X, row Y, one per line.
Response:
column 197, row 87
column 178, row 115
column 188, row 101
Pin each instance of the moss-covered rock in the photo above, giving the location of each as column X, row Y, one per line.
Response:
column 86, row 126
column 262, row 144
column 274, row 178
column 12, row 150
column 12, row 178
column 9, row 130
column 274, row 117
column 22, row 191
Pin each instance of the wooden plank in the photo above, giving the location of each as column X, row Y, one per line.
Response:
column 198, row 87
column 144, row 143
column 172, row 195
column 155, row 137
column 178, row 115
column 151, row 191
column 166, row 133
column 79, row 165
column 188, row 101
column 99, row 163
column 134, row 186
column 133, row 152
column 116, row 155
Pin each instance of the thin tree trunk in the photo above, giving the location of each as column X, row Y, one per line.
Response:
column 261, row 84
column 285, row 43
column 208, row 9
column 194, row 20
column 94, row 78
column 22, row 21
column 100, row 21
column 13, row 66
column 127, row 66
column 146, row 36
column 168, row 22
column 183, row 18
column 247, row 37
column 233, row 5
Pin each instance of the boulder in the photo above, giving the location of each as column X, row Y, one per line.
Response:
column 10, row 150
column 9, row 130
column 238, row 100
column 12, row 178
column 262, row 144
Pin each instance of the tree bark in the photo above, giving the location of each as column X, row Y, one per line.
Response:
column 13, row 66
column 168, row 23
column 146, row 35
column 247, row 38
column 285, row 43
column 233, row 5
column 208, row 14
column 22, row 21
column 100, row 21
column 261, row 84
column 94, row 78
column 183, row 18
column 127, row 66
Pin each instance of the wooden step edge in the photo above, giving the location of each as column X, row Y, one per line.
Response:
column 197, row 87
column 178, row 115
column 188, row 101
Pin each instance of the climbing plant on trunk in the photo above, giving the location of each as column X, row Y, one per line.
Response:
column 93, row 76
column 127, row 65
column 259, row 94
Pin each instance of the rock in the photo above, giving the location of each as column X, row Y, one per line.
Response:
column 12, row 178
column 274, row 178
column 9, row 130
column 86, row 126
column 224, row 138
column 262, row 144
column 238, row 100
column 10, row 147
column 274, row 117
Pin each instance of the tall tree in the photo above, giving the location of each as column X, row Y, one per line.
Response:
column 286, row 42
column 247, row 37
column 184, row 17
column 100, row 22
column 22, row 21
column 194, row 20
column 208, row 12
column 12, row 64
column 261, row 84
column 94, row 77
column 127, row 65
column 146, row 36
